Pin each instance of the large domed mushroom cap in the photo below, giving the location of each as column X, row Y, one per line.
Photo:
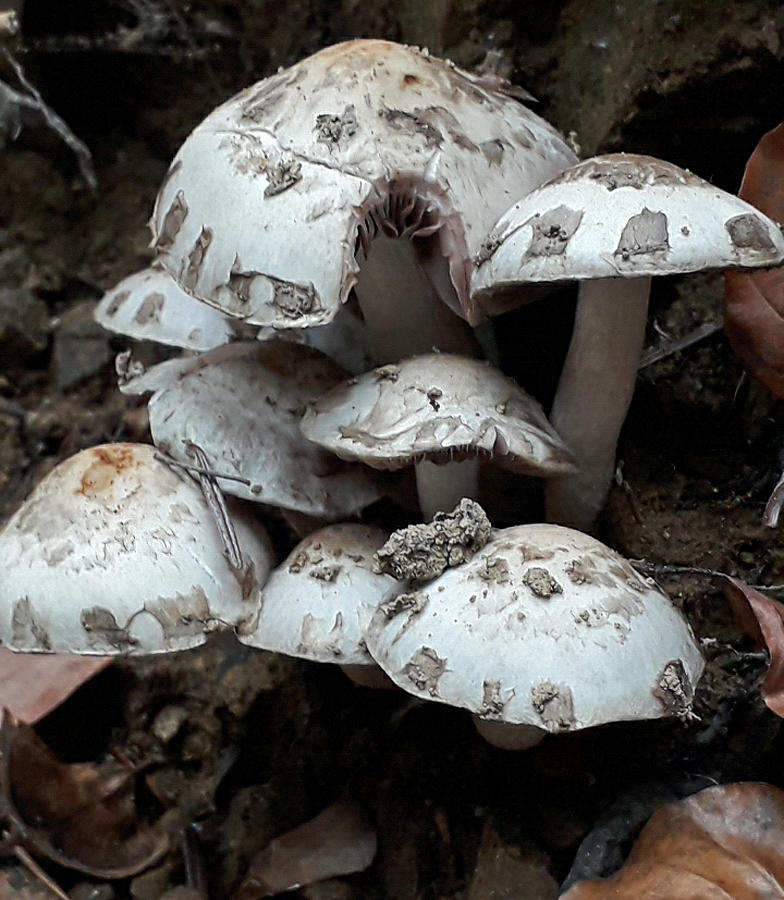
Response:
column 301, row 159
column 116, row 552
column 543, row 627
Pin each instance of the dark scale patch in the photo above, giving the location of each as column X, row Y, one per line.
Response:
column 424, row 670
column 554, row 704
column 331, row 129
column 24, row 627
column 172, row 222
column 747, row 232
column 644, row 235
column 492, row 703
column 405, row 121
column 117, row 301
column 150, row 309
column 541, row 583
column 282, row 175
column 193, row 267
column 553, row 230
column 294, row 300
column 493, row 151
column 103, row 630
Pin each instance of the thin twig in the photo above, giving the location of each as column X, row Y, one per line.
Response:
column 36, row 102
column 656, row 354
column 29, row 863
column 656, row 570
column 201, row 470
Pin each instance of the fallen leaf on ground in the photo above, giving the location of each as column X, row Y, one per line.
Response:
column 762, row 618
column 81, row 816
column 33, row 684
column 338, row 841
column 723, row 843
column 754, row 302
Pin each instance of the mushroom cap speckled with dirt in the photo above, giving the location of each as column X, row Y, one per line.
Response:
column 613, row 222
column 241, row 405
column 438, row 408
column 116, row 552
column 363, row 139
column 317, row 604
column 543, row 627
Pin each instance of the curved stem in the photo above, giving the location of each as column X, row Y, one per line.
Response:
column 594, row 393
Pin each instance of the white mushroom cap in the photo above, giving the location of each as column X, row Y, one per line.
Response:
column 300, row 159
column 115, row 552
column 318, row 603
column 624, row 215
column 151, row 306
column 544, row 626
column 438, row 406
column 242, row 405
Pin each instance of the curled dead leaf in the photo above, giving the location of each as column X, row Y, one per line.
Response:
column 80, row 816
column 723, row 843
column 754, row 302
column 338, row 841
column 762, row 618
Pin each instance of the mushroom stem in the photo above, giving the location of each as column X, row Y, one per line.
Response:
column 594, row 393
column 507, row 736
column 405, row 316
column 403, row 312
column 441, row 487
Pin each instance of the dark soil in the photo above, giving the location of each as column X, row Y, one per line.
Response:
column 264, row 742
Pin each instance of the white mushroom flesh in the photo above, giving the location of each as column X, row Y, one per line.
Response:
column 544, row 626
column 318, row 603
column 242, row 405
column 115, row 552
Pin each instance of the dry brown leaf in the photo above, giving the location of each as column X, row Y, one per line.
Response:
column 32, row 685
column 754, row 302
column 338, row 841
column 723, row 843
column 79, row 816
column 762, row 618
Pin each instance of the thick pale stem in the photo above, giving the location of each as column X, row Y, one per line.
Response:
column 403, row 312
column 405, row 316
column 441, row 487
column 509, row 737
column 594, row 393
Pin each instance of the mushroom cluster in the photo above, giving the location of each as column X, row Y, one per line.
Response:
column 328, row 244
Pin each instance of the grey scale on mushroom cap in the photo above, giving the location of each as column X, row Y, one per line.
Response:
column 544, row 630
column 116, row 552
column 434, row 409
column 241, row 404
column 613, row 222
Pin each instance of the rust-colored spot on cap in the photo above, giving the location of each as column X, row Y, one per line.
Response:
column 110, row 461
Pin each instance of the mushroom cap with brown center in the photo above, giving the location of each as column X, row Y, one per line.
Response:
column 441, row 407
column 116, row 552
column 544, row 626
column 624, row 215
column 263, row 207
column 242, row 405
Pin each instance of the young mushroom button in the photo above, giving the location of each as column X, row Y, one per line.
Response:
column 612, row 222
column 436, row 409
column 116, row 552
column 388, row 165
column 543, row 630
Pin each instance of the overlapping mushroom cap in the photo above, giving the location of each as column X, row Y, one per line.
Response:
column 319, row 601
column 438, row 406
column 624, row 215
column 301, row 159
column 116, row 552
column 241, row 405
column 544, row 626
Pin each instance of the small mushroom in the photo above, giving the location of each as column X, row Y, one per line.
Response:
column 151, row 306
column 436, row 409
column 367, row 148
column 241, row 405
column 116, row 552
column 317, row 604
column 612, row 222
column 544, row 630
